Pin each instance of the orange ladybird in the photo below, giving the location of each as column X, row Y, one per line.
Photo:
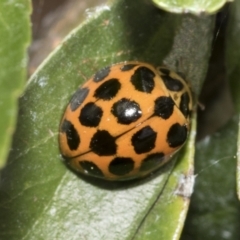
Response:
column 126, row 121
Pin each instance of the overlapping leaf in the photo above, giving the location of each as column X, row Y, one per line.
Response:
column 197, row 7
column 15, row 36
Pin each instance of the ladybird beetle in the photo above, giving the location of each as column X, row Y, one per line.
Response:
column 126, row 121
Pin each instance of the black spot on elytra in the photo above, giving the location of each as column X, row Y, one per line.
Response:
column 101, row 74
column 144, row 140
column 177, row 135
column 126, row 111
column 120, row 166
column 91, row 168
column 184, row 104
column 152, row 161
column 103, row 144
column 163, row 107
column 108, row 89
column 143, row 79
column 90, row 115
column 164, row 71
column 127, row 67
column 172, row 84
column 78, row 98
column 73, row 139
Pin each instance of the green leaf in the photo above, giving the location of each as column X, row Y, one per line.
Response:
column 191, row 6
column 15, row 36
column 233, row 66
column 40, row 198
column 214, row 210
